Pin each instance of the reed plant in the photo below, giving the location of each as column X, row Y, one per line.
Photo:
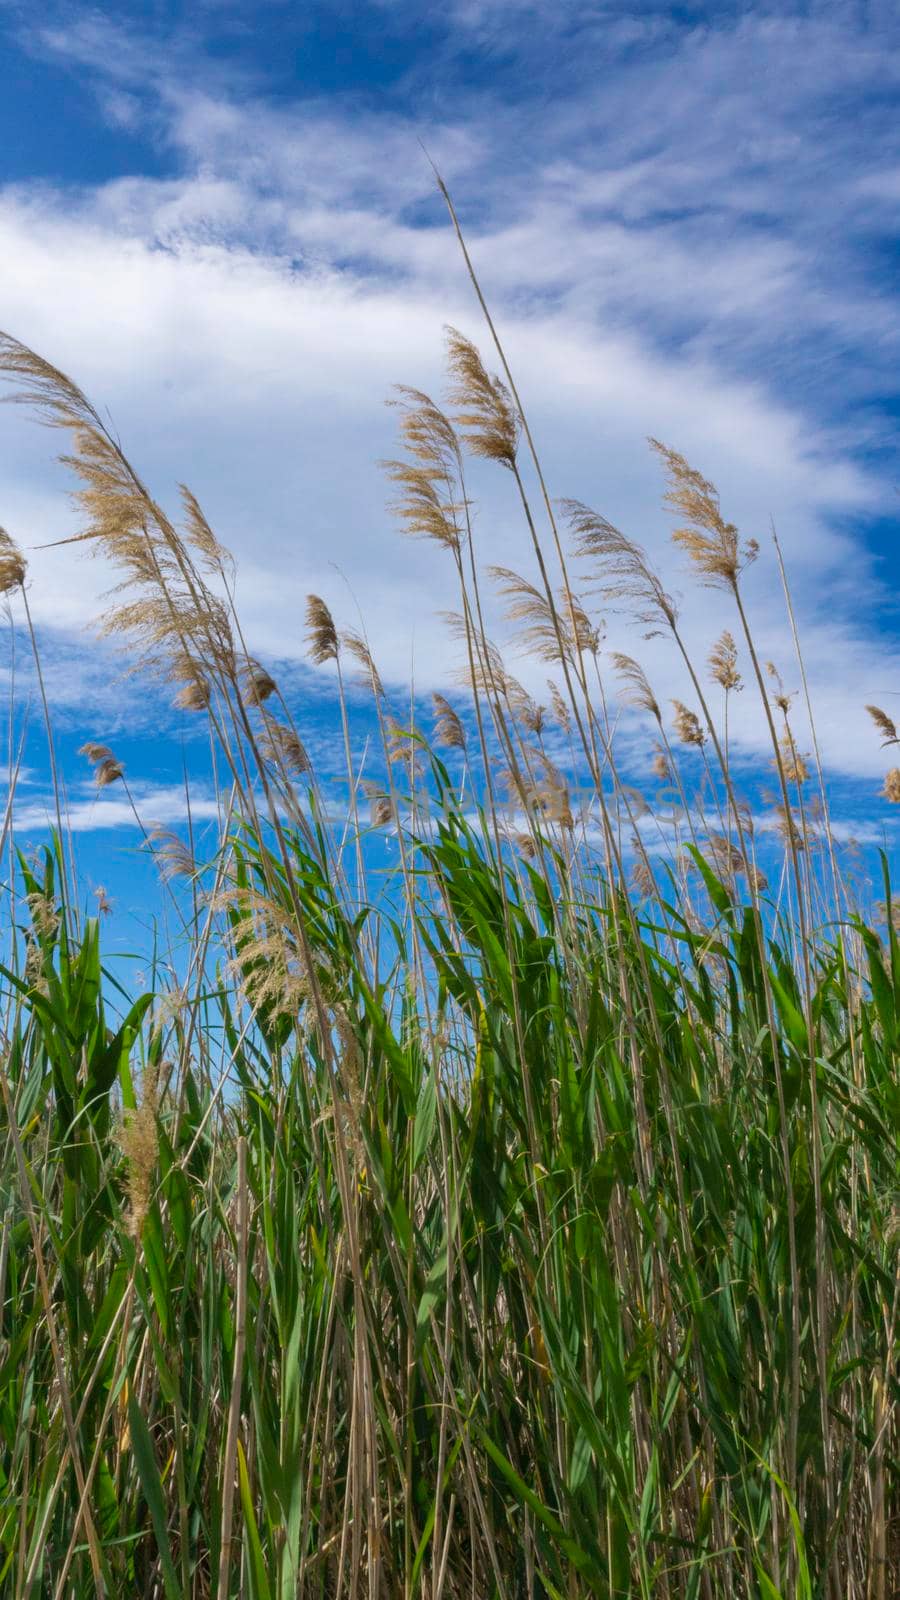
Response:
column 522, row 1223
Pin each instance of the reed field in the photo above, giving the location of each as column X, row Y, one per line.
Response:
column 518, row 1223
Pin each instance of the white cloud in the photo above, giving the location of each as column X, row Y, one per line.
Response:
column 162, row 805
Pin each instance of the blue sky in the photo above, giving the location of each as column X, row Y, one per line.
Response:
column 219, row 218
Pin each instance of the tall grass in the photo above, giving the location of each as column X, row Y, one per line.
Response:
column 526, row 1228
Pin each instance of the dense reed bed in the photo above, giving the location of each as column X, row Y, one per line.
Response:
column 525, row 1226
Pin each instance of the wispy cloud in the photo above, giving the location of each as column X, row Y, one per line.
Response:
column 155, row 805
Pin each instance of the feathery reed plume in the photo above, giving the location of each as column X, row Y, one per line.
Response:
column 381, row 811
column 256, row 683
column 396, row 739
column 427, row 432
column 526, row 708
column 268, row 964
column 46, row 388
column 171, row 854
column 104, row 903
column 94, row 752
column 884, row 725
column 561, row 713
column 321, row 633
column 448, row 726
column 426, row 507
column 642, row 879
column 281, row 745
column 745, row 817
column 552, row 797
column 637, row 688
column 170, row 1005
column 580, row 634
column 524, row 843
column 106, row 768
column 723, row 662
column 13, row 565
column 794, row 765
column 712, row 543
column 789, row 829
column 781, row 698
column 545, row 625
column 756, row 879
column 200, row 535
column 403, row 744
column 106, row 772
column 44, row 913
column 138, row 1139
column 168, row 625
column 488, row 416
column 661, row 766
column 627, row 574
column 487, row 674
column 891, row 790
column 726, row 856
column 545, row 789
column 33, row 973
column 526, row 604
column 355, row 646
column 687, row 725
column 170, row 603
column 422, row 512
column 195, row 693
column 351, row 1109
